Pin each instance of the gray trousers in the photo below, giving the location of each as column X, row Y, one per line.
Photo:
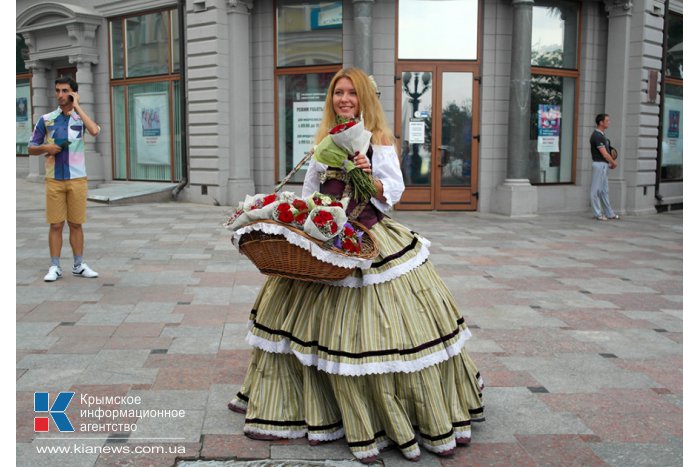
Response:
column 599, row 190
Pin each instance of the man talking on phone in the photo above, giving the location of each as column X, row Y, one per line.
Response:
column 58, row 136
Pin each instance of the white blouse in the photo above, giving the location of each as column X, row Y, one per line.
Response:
column 385, row 168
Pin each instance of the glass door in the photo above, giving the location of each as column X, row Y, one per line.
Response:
column 438, row 105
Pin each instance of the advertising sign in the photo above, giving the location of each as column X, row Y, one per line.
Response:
column 151, row 117
column 307, row 117
column 548, row 128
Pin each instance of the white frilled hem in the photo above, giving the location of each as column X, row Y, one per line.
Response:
column 361, row 369
column 316, row 251
column 368, row 279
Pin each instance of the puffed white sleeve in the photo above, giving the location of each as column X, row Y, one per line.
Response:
column 312, row 181
column 386, row 168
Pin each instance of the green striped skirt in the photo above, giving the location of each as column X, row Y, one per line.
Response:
column 378, row 358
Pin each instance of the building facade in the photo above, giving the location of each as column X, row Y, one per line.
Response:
column 492, row 101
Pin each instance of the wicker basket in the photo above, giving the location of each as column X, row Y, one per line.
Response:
column 273, row 255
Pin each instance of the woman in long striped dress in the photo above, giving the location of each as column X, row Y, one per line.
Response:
column 378, row 357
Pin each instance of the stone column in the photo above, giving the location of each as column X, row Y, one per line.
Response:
column 240, row 182
column 362, row 34
column 94, row 162
column 516, row 196
column 617, row 91
column 41, row 90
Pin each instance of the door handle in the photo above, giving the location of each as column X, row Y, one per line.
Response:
column 442, row 155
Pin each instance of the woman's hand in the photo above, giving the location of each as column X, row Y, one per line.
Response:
column 361, row 162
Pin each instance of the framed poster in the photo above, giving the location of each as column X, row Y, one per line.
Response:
column 23, row 123
column 306, row 119
column 548, row 128
column 151, row 114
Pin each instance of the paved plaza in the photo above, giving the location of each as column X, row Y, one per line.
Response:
column 577, row 330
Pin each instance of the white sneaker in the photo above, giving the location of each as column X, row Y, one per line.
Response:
column 54, row 273
column 84, row 270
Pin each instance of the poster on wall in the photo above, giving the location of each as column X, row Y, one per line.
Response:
column 672, row 143
column 307, row 117
column 151, row 117
column 548, row 128
column 23, row 125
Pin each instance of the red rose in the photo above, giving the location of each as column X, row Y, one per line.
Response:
column 323, row 217
column 283, row 207
column 342, row 127
column 269, row 199
column 335, row 203
column 348, row 245
column 286, row 216
column 348, row 231
column 300, row 204
column 334, row 227
column 317, row 201
column 301, row 217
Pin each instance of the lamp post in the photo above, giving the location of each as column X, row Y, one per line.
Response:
column 414, row 99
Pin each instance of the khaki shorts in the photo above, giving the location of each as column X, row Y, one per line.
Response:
column 66, row 200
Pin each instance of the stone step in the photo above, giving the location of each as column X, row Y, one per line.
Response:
column 132, row 192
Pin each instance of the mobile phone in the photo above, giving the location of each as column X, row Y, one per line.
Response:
column 70, row 98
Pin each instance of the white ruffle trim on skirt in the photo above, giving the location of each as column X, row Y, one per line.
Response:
column 388, row 275
column 361, row 369
column 286, row 434
column 321, row 254
column 463, row 434
column 438, row 449
column 327, row 436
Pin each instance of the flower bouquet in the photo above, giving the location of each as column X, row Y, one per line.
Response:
column 308, row 239
column 339, row 147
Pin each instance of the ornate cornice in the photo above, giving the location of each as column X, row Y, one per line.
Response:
column 618, row 6
column 242, row 6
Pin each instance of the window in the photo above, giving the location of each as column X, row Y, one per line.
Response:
column 309, row 52
column 23, row 95
column 146, row 95
column 553, row 91
column 438, row 29
column 671, row 165
column 309, row 33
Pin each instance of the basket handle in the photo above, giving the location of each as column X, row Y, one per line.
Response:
column 284, row 181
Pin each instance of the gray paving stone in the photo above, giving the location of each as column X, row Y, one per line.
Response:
column 471, row 282
column 211, row 295
column 640, row 455
column 577, row 373
column 155, row 317
column 34, row 329
column 631, row 343
column 558, row 300
column 511, row 317
column 58, row 379
column 36, row 343
column 35, row 361
column 193, row 331
column 607, row 286
column 335, row 450
column 234, row 336
column 195, row 345
column 516, row 272
column 511, row 411
column 118, row 376
column 113, row 318
column 218, row 419
column 114, row 359
column 663, row 320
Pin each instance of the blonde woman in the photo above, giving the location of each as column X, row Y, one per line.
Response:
column 378, row 358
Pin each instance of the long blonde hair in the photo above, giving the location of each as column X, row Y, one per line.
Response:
column 370, row 107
